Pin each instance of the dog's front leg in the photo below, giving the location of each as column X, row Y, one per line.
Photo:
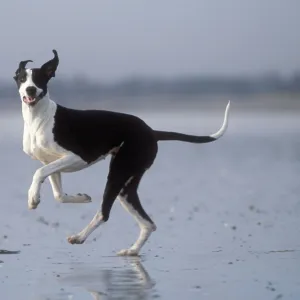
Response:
column 60, row 196
column 69, row 161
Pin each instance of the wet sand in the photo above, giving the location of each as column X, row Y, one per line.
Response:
column 228, row 218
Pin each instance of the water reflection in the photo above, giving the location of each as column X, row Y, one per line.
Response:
column 131, row 281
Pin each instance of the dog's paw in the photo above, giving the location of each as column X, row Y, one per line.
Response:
column 128, row 252
column 83, row 198
column 79, row 198
column 33, row 199
column 75, row 239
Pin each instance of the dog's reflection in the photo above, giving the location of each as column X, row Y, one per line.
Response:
column 129, row 282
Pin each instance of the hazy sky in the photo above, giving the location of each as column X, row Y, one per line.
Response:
column 111, row 39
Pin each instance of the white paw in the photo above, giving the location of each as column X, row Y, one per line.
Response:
column 75, row 239
column 83, row 198
column 33, row 199
column 128, row 252
column 79, row 198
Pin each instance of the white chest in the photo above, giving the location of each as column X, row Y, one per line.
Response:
column 38, row 139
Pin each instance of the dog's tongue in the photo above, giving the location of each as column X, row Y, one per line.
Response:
column 29, row 99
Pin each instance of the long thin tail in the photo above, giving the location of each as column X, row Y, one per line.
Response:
column 176, row 136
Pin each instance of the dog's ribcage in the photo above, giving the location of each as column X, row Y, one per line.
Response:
column 38, row 138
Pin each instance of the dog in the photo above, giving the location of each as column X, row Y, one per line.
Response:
column 69, row 140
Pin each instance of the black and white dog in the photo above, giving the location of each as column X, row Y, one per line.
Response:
column 68, row 140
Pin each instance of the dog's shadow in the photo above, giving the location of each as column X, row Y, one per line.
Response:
column 131, row 281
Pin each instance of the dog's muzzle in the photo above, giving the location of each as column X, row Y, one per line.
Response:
column 30, row 100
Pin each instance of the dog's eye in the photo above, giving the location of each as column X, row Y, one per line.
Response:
column 22, row 79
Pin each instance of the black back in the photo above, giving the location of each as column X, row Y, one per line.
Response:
column 93, row 133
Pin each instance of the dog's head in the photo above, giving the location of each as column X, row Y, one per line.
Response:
column 32, row 83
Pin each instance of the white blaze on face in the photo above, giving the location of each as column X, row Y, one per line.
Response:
column 28, row 83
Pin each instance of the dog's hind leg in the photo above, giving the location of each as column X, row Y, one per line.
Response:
column 132, row 159
column 113, row 187
column 83, row 234
column 130, row 201
column 59, row 195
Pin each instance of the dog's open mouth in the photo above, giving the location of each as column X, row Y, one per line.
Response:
column 29, row 100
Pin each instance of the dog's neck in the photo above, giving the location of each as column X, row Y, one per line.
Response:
column 38, row 112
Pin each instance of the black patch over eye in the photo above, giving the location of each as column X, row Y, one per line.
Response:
column 22, row 78
column 39, row 78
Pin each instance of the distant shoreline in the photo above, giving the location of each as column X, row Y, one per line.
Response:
column 258, row 103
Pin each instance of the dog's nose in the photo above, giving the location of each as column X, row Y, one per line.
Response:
column 31, row 90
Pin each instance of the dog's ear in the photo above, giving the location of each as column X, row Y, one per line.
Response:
column 21, row 67
column 50, row 67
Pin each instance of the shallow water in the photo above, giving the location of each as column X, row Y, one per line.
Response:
column 228, row 218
